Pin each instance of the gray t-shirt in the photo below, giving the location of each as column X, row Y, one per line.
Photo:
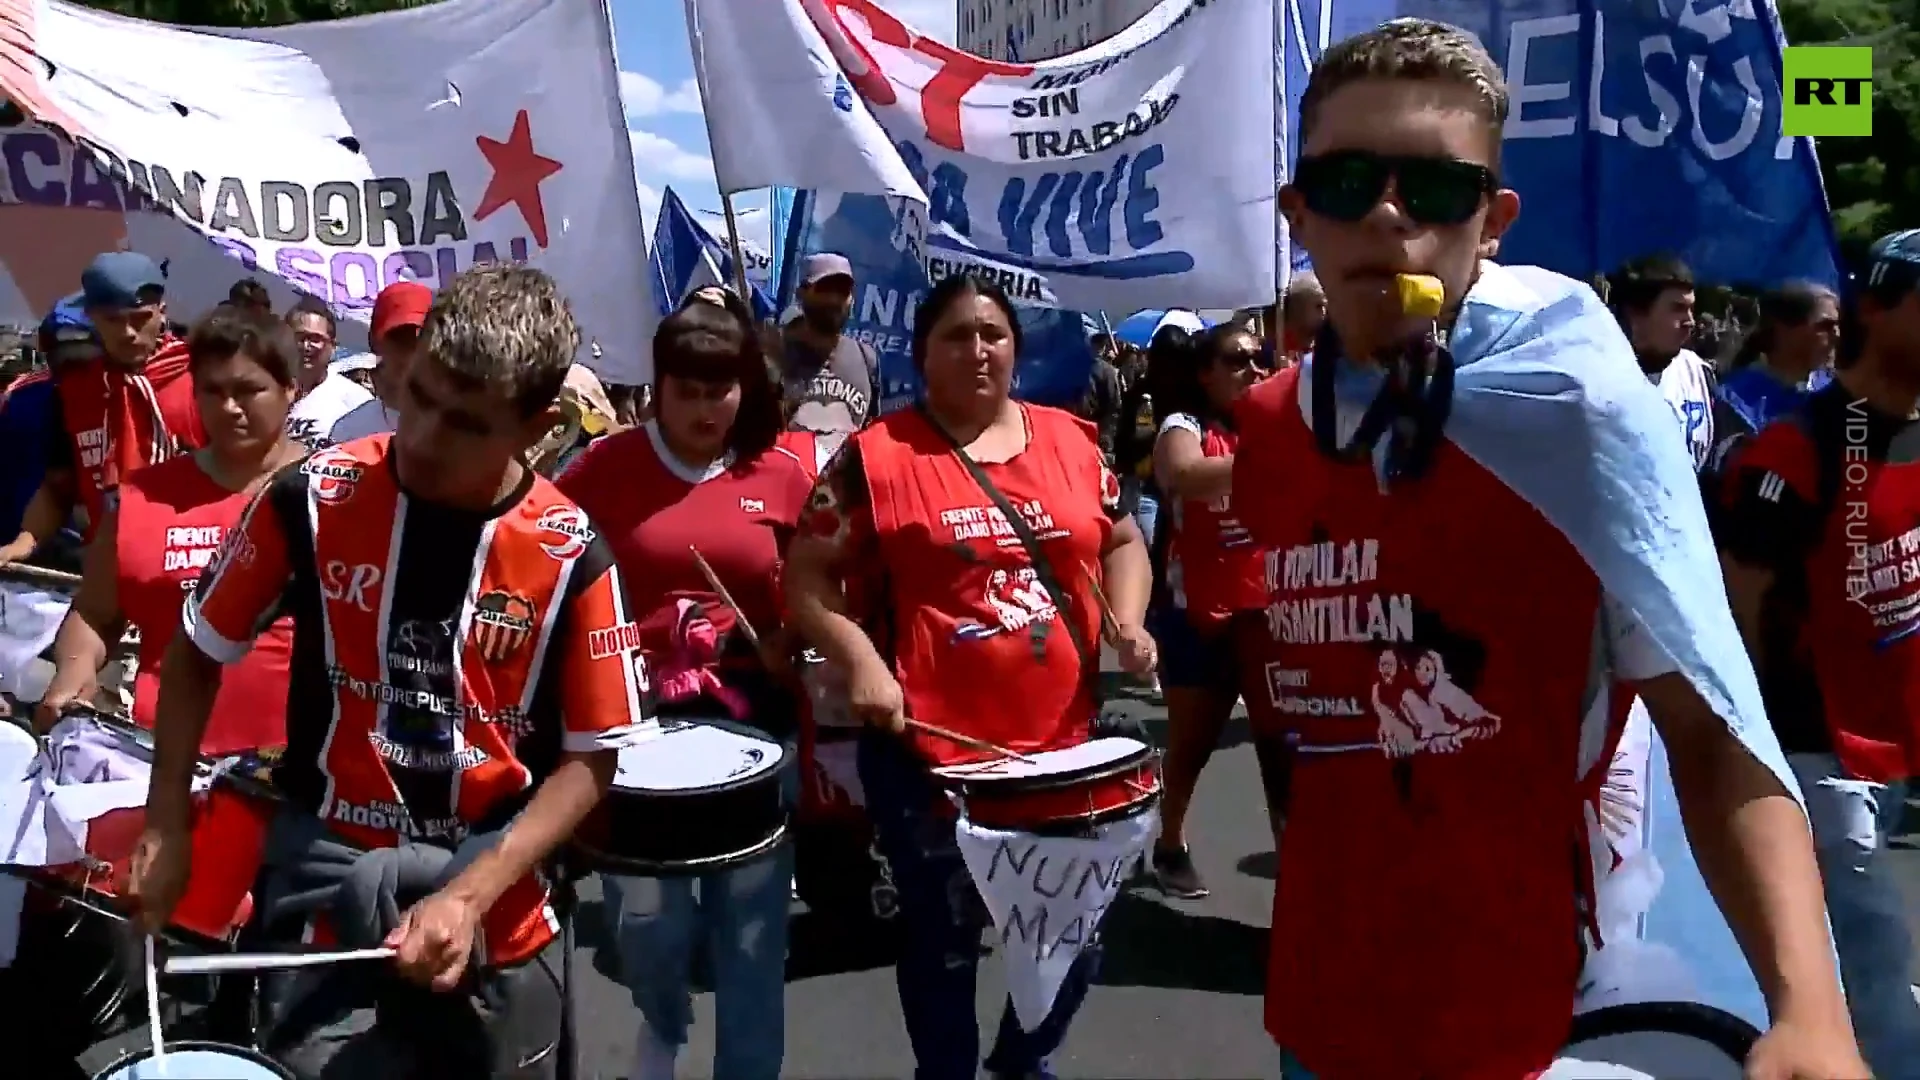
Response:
column 832, row 395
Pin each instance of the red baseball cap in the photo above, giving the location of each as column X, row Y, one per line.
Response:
column 403, row 303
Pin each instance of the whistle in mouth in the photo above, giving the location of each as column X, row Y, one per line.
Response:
column 1421, row 295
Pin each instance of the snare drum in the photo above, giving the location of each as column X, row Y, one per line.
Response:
column 198, row 1060
column 230, row 822
column 1059, row 791
column 699, row 796
column 1654, row 1041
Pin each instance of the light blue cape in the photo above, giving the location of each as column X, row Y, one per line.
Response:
column 1549, row 398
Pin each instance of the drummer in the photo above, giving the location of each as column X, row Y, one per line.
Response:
column 171, row 520
column 900, row 531
column 455, row 710
column 704, row 474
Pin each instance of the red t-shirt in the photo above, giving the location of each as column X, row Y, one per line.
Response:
column 172, row 520
column 110, row 417
column 654, row 512
column 1850, row 555
column 977, row 641
column 1214, row 567
column 1427, row 913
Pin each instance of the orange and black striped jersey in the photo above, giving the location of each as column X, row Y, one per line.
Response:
column 443, row 659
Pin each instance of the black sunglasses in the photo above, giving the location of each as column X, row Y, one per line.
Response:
column 1346, row 185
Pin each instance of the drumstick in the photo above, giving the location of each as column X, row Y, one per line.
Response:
column 39, row 573
column 726, row 597
column 969, row 741
column 154, row 1035
column 217, row 963
column 1109, row 624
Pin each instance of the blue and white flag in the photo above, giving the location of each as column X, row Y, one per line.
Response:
column 890, row 275
column 1636, row 126
column 1136, row 173
column 686, row 258
column 1549, row 398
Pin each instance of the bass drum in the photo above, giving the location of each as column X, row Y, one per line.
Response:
column 1655, row 1041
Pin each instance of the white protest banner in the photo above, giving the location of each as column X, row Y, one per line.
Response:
column 1137, row 173
column 1047, row 895
column 330, row 158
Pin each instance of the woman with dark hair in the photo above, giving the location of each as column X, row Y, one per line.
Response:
column 1211, row 570
column 703, row 475
column 1140, row 423
column 169, row 525
column 908, row 576
column 1789, row 355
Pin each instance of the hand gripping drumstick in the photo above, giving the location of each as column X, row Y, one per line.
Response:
column 746, row 628
column 713, row 579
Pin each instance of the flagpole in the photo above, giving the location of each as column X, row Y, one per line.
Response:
column 733, row 247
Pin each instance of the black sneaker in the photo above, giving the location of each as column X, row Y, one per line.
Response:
column 1173, row 872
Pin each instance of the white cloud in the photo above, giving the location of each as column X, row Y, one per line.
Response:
column 656, row 155
column 644, row 96
column 649, row 205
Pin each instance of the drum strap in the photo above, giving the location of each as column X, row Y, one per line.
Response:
column 1036, row 555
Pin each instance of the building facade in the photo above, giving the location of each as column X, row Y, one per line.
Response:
column 1029, row 30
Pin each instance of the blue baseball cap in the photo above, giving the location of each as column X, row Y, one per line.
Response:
column 122, row 279
column 67, row 323
column 1893, row 263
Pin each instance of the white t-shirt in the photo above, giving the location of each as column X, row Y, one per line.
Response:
column 313, row 417
column 1687, row 384
column 371, row 417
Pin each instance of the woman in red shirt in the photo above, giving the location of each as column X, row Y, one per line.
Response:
column 171, row 522
column 704, row 473
column 1212, row 570
column 964, row 635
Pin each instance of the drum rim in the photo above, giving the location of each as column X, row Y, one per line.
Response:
column 1068, row 826
column 766, row 775
column 1020, row 785
column 596, row 861
column 244, row 1053
column 1719, row 1028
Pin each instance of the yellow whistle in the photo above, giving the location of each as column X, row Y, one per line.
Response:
column 1420, row 295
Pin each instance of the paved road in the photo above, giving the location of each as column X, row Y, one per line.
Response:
column 1180, row 996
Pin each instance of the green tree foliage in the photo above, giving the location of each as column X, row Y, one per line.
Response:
column 1873, row 184
column 246, row 12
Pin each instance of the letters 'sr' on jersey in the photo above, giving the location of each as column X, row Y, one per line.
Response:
column 442, row 659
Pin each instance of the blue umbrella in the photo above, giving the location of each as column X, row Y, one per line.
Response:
column 1138, row 328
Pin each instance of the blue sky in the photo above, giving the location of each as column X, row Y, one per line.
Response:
column 663, row 103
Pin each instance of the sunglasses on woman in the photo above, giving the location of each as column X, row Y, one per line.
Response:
column 1346, row 185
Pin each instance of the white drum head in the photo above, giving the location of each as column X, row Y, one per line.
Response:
column 694, row 757
column 1655, row 1042
column 1088, row 755
column 193, row 1063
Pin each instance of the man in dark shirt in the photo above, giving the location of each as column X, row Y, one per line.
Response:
column 830, row 378
column 1818, row 539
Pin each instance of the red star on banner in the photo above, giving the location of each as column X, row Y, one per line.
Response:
column 517, row 173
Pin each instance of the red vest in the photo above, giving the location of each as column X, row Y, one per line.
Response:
column 119, row 421
column 1863, row 610
column 1214, row 566
column 1427, row 914
column 978, row 643
column 172, row 520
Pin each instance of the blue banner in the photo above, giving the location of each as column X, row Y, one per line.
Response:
column 687, row 257
column 779, row 215
column 1635, row 127
column 890, row 278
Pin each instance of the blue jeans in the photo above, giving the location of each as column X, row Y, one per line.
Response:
column 1146, row 511
column 941, row 918
column 1851, row 819
column 740, row 916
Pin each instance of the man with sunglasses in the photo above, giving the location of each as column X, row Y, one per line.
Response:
column 1455, row 594
column 125, row 406
column 1818, row 538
